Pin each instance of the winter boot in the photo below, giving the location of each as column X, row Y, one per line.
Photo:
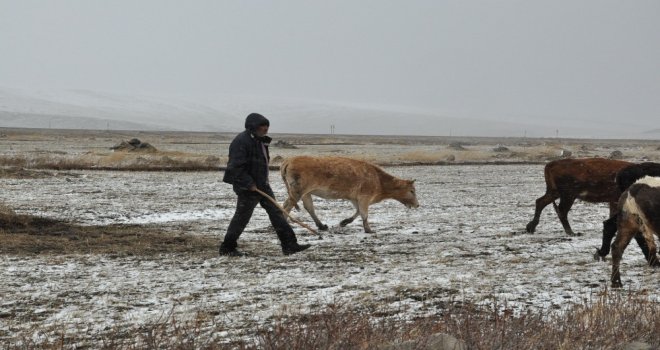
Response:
column 225, row 251
column 289, row 249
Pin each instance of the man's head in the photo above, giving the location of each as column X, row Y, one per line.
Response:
column 257, row 124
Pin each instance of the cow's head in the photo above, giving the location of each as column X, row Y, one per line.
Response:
column 406, row 194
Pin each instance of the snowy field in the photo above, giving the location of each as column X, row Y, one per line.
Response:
column 465, row 243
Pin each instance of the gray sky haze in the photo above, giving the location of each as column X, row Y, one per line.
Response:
column 594, row 61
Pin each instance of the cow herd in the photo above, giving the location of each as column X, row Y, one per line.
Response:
column 631, row 190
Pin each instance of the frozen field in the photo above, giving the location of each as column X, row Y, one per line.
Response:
column 465, row 243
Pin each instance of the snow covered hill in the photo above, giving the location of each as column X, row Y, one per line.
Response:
column 83, row 109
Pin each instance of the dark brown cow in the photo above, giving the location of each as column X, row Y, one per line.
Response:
column 638, row 213
column 630, row 174
column 589, row 179
column 360, row 182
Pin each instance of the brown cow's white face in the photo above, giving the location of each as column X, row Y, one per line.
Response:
column 407, row 194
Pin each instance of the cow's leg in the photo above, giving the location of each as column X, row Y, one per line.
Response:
column 627, row 229
column 541, row 203
column 309, row 206
column 648, row 234
column 292, row 199
column 649, row 254
column 614, row 208
column 349, row 220
column 609, row 230
column 565, row 204
column 363, row 208
column 288, row 204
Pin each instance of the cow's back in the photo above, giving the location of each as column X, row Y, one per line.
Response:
column 630, row 174
column 330, row 177
column 590, row 179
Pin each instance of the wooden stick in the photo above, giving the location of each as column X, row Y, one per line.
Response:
column 287, row 214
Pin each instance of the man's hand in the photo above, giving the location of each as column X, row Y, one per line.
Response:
column 253, row 188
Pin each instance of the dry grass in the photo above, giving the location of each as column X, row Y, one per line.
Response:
column 611, row 321
column 21, row 173
column 27, row 235
column 191, row 151
column 480, row 154
column 132, row 161
column 441, row 156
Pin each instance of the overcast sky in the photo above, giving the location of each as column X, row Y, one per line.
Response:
column 501, row 60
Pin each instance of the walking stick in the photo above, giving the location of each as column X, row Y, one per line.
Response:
column 287, row 214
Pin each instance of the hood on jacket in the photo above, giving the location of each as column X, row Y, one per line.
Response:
column 255, row 120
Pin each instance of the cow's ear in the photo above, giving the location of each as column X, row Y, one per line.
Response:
column 413, row 181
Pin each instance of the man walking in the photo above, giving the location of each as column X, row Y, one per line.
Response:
column 247, row 170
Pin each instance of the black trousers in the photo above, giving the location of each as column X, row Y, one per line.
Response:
column 245, row 204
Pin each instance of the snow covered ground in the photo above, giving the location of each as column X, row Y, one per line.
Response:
column 465, row 242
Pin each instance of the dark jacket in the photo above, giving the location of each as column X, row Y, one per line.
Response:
column 247, row 164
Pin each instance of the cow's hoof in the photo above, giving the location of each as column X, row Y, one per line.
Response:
column 653, row 262
column 322, row 227
column 344, row 223
column 617, row 284
column 598, row 256
column 530, row 228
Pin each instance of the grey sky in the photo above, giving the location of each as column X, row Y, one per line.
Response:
column 500, row 60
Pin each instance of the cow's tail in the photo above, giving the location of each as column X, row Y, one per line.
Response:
column 283, row 169
column 556, row 207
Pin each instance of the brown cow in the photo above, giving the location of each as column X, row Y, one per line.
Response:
column 360, row 182
column 637, row 214
column 590, row 179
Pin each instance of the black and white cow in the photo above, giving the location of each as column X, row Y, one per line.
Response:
column 638, row 213
column 624, row 179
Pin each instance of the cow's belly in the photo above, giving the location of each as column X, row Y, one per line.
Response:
column 596, row 197
column 330, row 194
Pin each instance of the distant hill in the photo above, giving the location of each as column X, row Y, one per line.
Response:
column 82, row 109
column 31, row 120
column 79, row 109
